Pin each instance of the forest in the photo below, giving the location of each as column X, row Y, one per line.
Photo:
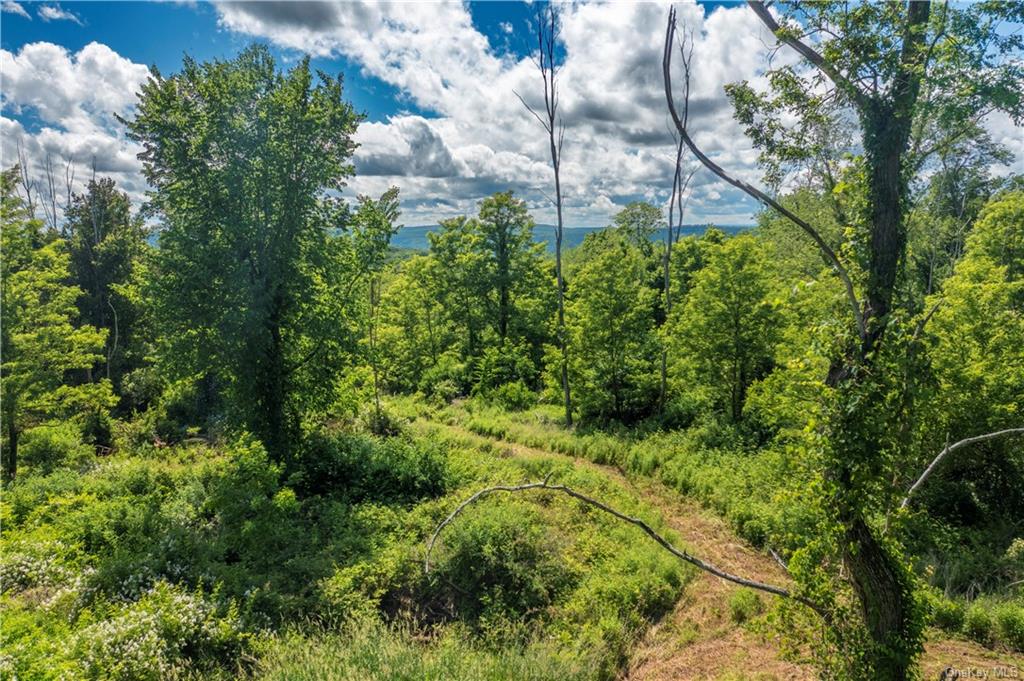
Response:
column 243, row 436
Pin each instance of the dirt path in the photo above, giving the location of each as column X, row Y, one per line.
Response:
column 699, row 639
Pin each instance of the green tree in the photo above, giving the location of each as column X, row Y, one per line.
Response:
column 728, row 328
column 977, row 365
column 495, row 285
column 512, row 260
column 613, row 349
column 40, row 342
column 250, row 283
column 639, row 222
column 457, row 270
column 894, row 67
column 105, row 243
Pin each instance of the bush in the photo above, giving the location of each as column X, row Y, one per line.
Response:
column 498, row 563
column 744, row 605
column 513, row 396
column 46, row 448
column 978, row 623
column 161, row 635
column 382, row 423
column 945, row 613
column 1009, row 625
column 359, row 468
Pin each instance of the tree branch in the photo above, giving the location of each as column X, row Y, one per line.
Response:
column 648, row 530
column 757, row 194
column 808, row 53
column 947, row 450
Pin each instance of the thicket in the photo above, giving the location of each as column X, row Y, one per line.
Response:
column 209, row 442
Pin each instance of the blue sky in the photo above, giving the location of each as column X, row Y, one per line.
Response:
column 442, row 120
column 437, row 82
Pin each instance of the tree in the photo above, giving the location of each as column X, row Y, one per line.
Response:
column 373, row 227
column 892, row 65
column 727, row 331
column 250, row 280
column 639, row 222
column 976, row 366
column 511, row 257
column 680, row 184
column 547, row 35
column 458, row 267
column 105, row 243
column 40, row 342
column 611, row 330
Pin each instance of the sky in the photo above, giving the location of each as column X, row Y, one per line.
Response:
column 437, row 83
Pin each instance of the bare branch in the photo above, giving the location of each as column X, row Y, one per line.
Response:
column 648, row 530
column 808, row 53
column 531, row 110
column 757, row 194
column 947, row 450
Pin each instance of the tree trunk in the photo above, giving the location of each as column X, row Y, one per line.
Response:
column 884, row 597
column 271, row 389
column 10, row 467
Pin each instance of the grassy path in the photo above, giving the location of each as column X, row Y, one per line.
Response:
column 700, row 639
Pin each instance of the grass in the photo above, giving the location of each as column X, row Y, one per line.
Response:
column 761, row 493
column 264, row 567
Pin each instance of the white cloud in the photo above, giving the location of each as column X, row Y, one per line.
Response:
column 71, row 100
column 12, row 7
column 475, row 137
column 505, row 26
column 55, row 13
column 617, row 143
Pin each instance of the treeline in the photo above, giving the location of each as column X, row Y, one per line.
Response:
column 249, row 313
column 271, row 306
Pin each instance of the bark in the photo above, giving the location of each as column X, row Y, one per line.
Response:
column 10, row 457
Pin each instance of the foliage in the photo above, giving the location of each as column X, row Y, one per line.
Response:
column 40, row 341
column 610, row 323
column 724, row 335
column 105, row 244
column 744, row 605
column 248, row 281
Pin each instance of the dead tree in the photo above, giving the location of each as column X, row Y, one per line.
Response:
column 551, row 121
column 949, row 449
column 27, row 184
column 680, row 184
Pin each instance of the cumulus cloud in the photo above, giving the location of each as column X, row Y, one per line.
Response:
column 473, row 137
column 71, row 100
column 12, row 7
column 617, row 143
column 56, row 13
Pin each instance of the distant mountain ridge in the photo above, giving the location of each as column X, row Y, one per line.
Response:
column 415, row 236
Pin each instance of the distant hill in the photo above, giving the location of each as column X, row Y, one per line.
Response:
column 415, row 237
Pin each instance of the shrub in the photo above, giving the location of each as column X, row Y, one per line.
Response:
column 359, row 468
column 382, row 423
column 46, row 448
column 513, row 396
column 499, row 562
column 1009, row 624
column 978, row 623
column 945, row 613
column 744, row 605
column 162, row 634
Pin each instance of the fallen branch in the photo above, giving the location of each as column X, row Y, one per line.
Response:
column 948, row 449
column 648, row 530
